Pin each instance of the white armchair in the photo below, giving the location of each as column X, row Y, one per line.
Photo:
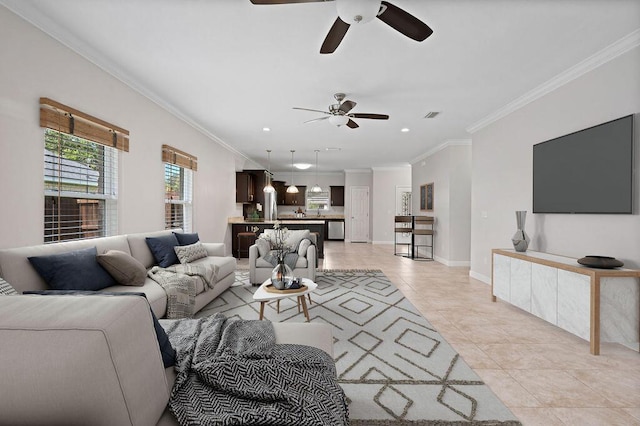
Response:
column 260, row 269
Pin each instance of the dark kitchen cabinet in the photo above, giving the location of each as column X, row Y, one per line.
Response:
column 281, row 191
column 245, row 187
column 296, row 199
column 337, row 195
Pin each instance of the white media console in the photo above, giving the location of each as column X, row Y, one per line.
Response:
column 594, row 304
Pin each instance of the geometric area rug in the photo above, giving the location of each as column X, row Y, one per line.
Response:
column 394, row 366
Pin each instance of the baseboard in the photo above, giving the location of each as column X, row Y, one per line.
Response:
column 485, row 279
column 452, row 263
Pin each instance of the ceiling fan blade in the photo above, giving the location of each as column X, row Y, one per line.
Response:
column 285, row 1
column 335, row 36
column 347, row 106
column 404, row 22
column 368, row 115
column 315, row 119
column 352, row 124
column 313, row 110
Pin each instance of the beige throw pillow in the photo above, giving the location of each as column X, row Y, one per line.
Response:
column 123, row 267
column 187, row 254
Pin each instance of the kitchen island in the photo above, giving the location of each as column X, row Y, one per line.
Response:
column 257, row 227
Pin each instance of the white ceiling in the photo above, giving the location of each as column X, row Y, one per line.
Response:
column 232, row 68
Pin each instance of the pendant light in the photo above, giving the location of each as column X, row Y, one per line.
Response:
column 292, row 189
column 317, row 187
column 268, row 188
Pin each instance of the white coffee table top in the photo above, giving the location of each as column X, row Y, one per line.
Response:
column 262, row 295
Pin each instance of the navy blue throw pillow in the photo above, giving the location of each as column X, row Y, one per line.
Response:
column 166, row 350
column 187, row 239
column 74, row 270
column 162, row 249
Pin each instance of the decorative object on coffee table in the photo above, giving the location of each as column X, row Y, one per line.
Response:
column 520, row 239
column 603, row 262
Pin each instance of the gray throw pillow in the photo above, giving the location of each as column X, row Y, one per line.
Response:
column 303, row 247
column 187, row 254
column 123, row 267
column 6, row 289
column 263, row 246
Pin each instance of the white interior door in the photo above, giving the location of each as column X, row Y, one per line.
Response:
column 360, row 214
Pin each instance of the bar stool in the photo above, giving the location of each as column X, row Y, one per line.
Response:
column 248, row 237
column 402, row 225
column 422, row 230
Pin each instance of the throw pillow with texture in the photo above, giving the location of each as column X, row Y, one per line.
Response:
column 295, row 236
column 166, row 350
column 187, row 239
column 123, row 267
column 6, row 289
column 74, row 270
column 187, row 254
column 162, row 249
column 263, row 246
column 303, row 247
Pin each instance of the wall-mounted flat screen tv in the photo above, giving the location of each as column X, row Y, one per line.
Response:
column 589, row 171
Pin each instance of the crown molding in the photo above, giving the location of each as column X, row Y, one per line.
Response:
column 391, row 168
column 65, row 38
column 605, row 55
column 358, row 171
column 446, row 144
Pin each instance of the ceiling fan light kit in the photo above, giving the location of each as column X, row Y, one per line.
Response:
column 340, row 114
column 352, row 12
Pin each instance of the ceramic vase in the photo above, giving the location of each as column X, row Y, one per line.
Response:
column 520, row 239
column 281, row 276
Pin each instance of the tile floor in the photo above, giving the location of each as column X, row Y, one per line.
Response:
column 545, row 375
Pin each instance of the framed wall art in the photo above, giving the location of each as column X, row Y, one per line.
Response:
column 426, row 197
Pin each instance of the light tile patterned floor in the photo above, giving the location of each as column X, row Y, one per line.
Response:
column 545, row 375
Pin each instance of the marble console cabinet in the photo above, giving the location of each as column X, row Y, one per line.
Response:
column 594, row 304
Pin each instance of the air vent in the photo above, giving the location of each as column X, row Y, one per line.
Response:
column 432, row 114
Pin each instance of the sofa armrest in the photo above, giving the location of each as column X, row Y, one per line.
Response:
column 312, row 255
column 254, row 254
column 80, row 360
column 215, row 249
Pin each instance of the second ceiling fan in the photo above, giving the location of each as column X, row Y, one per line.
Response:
column 361, row 11
column 339, row 114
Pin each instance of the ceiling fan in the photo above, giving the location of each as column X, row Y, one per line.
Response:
column 339, row 114
column 361, row 11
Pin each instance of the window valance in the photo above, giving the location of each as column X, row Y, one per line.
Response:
column 57, row 116
column 173, row 155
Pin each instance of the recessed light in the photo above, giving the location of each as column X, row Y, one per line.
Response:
column 333, row 149
column 266, row 129
column 404, row 129
column 302, row 166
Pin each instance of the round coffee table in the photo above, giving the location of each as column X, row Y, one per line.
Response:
column 266, row 293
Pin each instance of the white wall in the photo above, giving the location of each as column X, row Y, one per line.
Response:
column 34, row 65
column 502, row 170
column 383, row 201
column 449, row 169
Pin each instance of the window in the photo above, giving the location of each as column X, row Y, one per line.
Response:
column 80, row 173
column 317, row 201
column 178, row 188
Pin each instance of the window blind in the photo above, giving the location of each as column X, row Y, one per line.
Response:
column 60, row 117
column 173, row 155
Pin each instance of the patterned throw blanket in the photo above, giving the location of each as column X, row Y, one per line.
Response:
column 179, row 282
column 231, row 372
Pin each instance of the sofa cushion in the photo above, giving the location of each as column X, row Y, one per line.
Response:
column 224, row 265
column 187, row 254
column 163, row 249
column 156, row 296
column 6, row 289
column 261, row 263
column 74, row 270
column 186, row 239
column 166, row 350
column 292, row 237
column 123, row 267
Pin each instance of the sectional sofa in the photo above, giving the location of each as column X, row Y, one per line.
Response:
column 76, row 360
